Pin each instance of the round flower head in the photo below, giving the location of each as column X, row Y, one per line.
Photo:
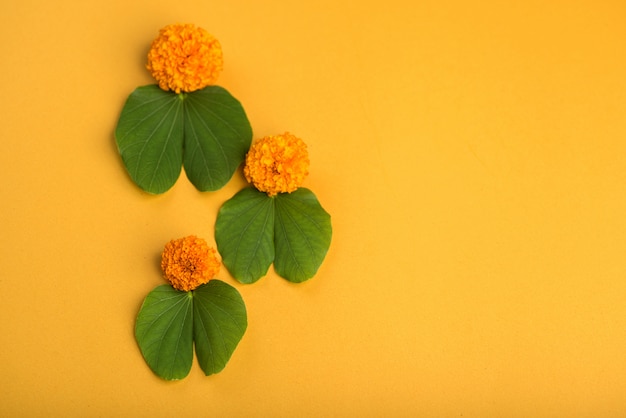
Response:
column 277, row 164
column 189, row 262
column 185, row 58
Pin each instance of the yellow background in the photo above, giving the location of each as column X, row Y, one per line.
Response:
column 471, row 155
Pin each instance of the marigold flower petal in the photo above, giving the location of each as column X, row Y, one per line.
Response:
column 185, row 58
column 277, row 164
column 189, row 262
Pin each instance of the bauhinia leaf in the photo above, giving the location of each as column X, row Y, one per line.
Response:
column 244, row 232
column 149, row 137
column 217, row 137
column 164, row 332
column 302, row 235
column 290, row 229
column 159, row 131
column 220, row 320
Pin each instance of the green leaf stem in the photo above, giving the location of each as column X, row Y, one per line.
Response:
column 164, row 332
column 292, row 230
column 219, row 322
column 159, row 131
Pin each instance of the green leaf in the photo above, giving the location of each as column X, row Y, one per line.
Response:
column 220, row 320
column 244, row 232
column 159, row 131
column 217, row 137
column 164, row 332
column 302, row 234
column 149, row 137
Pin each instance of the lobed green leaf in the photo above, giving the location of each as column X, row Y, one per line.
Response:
column 292, row 230
column 206, row 131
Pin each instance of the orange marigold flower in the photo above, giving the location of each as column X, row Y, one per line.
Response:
column 189, row 262
column 277, row 164
column 185, row 58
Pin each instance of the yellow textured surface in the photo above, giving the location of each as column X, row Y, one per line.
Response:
column 472, row 156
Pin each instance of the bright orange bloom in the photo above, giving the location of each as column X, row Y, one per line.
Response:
column 189, row 262
column 277, row 164
column 185, row 58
